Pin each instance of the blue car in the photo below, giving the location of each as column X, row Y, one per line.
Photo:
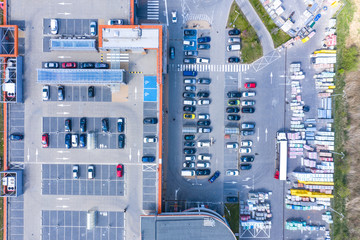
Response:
column 68, row 140
column 83, row 140
column 214, row 177
column 204, row 39
column 190, row 73
column 148, row 159
column 203, row 46
column 172, row 53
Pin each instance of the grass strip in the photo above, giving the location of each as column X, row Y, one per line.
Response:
column 232, row 216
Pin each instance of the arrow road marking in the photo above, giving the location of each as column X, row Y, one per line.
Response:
column 64, row 57
column 246, row 179
column 64, row 3
column 65, row 13
column 266, row 133
column 271, row 76
column 28, row 155
column 63, row 105
column 258, row 136
column 138, row 154
column 246, row 186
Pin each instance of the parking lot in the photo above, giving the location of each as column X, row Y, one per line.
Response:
column 80, row 94
column 64, row 225
column 16, row 125
column 69, row 27
column 57, row 179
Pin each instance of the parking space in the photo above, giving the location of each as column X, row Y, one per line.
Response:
column 149, row 186
column 16, row 126
column 63, row 225
column 57, row 179
column 69, row 27
column 55, row 127
column 150, row 130
column 150, row 89
column 80, row 94
column 15, row 217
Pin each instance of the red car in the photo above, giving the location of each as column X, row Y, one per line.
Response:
column 69, row 65
column 45, row 140
column 119, row 170
column 250, row 85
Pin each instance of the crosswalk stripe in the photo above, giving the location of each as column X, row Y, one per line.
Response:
column 205, row 67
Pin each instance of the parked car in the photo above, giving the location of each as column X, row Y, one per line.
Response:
column 188, row 164
column 190, row 88
column 232, row 145
column 45, row 140
column 189, row 150
column 188, row 95
column 69, row 65
column 121, row 141
column 233, row 117
column 189, row 80
column 51, row 65
column 105, row 125
column 150, row 120
column 246, row 143
column 202, row 60
column 189, row 116
column 116, row 22
column 214, row 177
column 87, row 65
column 206, row 81
column 61, row 93
column 189, row 137
column 205, row 157
column 189, row 43
column 234, row 40
column 232, row 110
column 93, row 28
column 204, row 101
column 247, row 132
column 191, row 53
column 245, row 150
column 204, row 116
column 203, row 94
column 204, row 130
column 248, row 110
column 248, row 103
column 233, row 32
column 16, row 137
column 233, row 60
column 173, row 17
column 101, row 65
column 190, row 73
column 245, row 166
column 204, row 39
column 189, row 144
column 54, row 28
column 46, row 93
column 82, row 140
column 190, row 157
column 204, row 123
column 91, row 172
column 74, row 140
column 189, row 60
column 248, row 125
column 248, row 94
column 91, row 91
column 148, row 159
column 232, row 172
column 75, row 171
column 233, row 94
column 172, row 53
column 250, row 85
column 189, row 102
column 150, row 139
column 189, row 32
column 189, row 109
column 246, row 158
column 232, row 199
column 67, row 125
column 119, row 170
column 233, row 102
column 204, row 46
column 202, row 172
column 68, row 140
column 120, row 124
column 83, row 124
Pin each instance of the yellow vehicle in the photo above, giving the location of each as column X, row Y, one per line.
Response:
column 189, row 116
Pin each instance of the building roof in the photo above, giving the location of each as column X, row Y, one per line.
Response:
column 57, row 44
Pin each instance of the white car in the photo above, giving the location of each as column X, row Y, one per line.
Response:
column 91, row 172
column 54, row 26
column 248, row 103
column 204, row 116
column 74, row 140
column 248, row 94
column 245, row 150
column 232, row 172
column 76, row 171
column 150, row 139
column 189, row 43
column 202, row 60
column 234, row 40
column 246, row 143
column 46, row 93
column 204, row 102
column 204, row 144
column 231, row 145
column 204, row 157
column 173, row 17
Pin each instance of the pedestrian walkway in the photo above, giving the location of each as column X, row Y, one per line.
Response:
column 210, row 67
column 153, row 10
column 117, row 57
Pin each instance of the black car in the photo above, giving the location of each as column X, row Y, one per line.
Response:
column 61, row 93
column 189, row 150
column 232, row 110
column 204, row 39
column 150, row 120
column 204, row 123
column 189, row 32
column 189, row 137
column 188, row 95
column 105, row 125
column 82, row 140
column 91, row 91
column 189, row 60
column 189, row 144
column 234, row 31
column 247, row 132
column 68, row 125
column 232, row 199
column 121, row 124
column 83, row 124
column 204, row 81
column 121, row 140
column 204, row 46
column 87, row 65
column 203, row 94
column 202, row 172
column 233, row 117
column 245, row 166
column 16, row 137
column 214, row 177
column 68, row 140
column 247, row 110
column 188, row 164
column 234, row 94
column 247, row 158
column 101, row 65
column 189, row 108
column 233, row 60
column 172, row 53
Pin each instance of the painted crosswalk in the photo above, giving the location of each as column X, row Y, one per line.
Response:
column 117, row 57
column 210, row 67
column 153, row 10
column 197, row 17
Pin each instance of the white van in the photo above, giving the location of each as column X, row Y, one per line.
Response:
column 203, row 165
column 234, row 40
column 187, row 173
column 233, row 47
column 204, row 157
column 189, row 102
column 202, row 60
column 204, row 144
column 74, row 140
column 54, row 26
